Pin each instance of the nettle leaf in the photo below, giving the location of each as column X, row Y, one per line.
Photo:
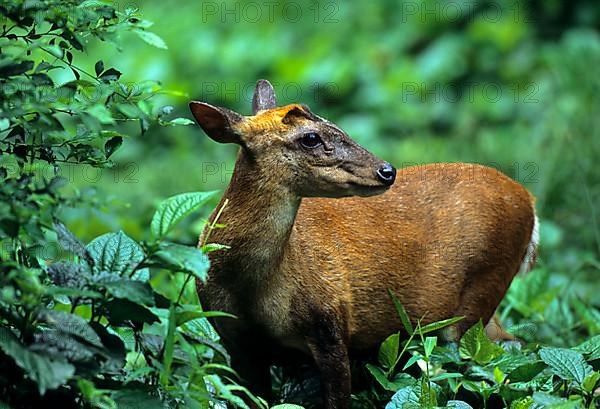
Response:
column 46, row 372
column 458, row 404
column 477, row 346
column 70, row 324
column 177, row 257
column 115, row 252
column 566, row 363
column 407, row 397
column 71, row 243
column 174, row 209
column 68, row 274
column 590, row 348
column 388, row 351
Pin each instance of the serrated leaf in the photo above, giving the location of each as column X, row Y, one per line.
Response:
column 388, row 351
column 566, row 363
column 187, row 259
column 67, row 274
column 47, row 373
column 590, row 348
column 115, row 252
column 174, row 209
column 403, row 397
column 69, row 242
column 458, row 404
column 151, row 38
column 70, row 324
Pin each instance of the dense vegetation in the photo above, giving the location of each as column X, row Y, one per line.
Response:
column 86, row 141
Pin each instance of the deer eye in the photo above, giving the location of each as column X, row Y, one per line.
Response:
column 311, row 140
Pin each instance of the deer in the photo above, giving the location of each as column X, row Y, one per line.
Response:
column 318, row 230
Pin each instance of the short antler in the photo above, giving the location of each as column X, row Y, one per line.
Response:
column 264, row 97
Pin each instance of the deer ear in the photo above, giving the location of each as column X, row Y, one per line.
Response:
column 264, row 97
column 218, row 123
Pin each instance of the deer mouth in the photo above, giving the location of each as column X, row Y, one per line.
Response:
column 366, row 190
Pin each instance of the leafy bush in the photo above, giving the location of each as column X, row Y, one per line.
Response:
column 115, row 322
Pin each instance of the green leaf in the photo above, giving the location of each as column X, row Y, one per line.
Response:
column 400, row 380
column 287, row 406
column 70, row 324
column 47, row 373
column 112, row 145
column 566, row 363
column 435, row 326
column 183, row 258
column 401, row 313
column 119, row 312
column 590, row 381
column 429, row 345
column 526, row 372
column 181, row 121
column 137, row 399
column 115, row 252
column 458, row 404
column 388, row 351
column 185, row 313
column 69, row 242
column 133, row 290
column 477, row 346
column 99, row 67
column 590, row 348
column 407, row 395
column 151, row 38
column 174, row 209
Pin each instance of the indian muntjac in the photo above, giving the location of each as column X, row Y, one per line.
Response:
column 319, row 229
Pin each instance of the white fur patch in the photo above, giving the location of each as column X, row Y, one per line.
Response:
column 528, row 260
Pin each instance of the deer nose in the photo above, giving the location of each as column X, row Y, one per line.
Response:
column 387, row 174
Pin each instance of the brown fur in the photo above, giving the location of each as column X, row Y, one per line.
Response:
column 313, row 273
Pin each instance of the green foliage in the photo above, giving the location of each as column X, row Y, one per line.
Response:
column 478, row 373
column 91, row 325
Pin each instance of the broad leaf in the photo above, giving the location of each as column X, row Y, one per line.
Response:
column 388, row 351
column 177, row 257
column 70, row 324
column 115, row 252
column 71, row 243
column 566, row 363
column 47, row 373
column 120, row 312
column 477, row 346
column 174, row 209
column 132, row 290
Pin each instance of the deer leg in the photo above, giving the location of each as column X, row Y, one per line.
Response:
column 330, row 353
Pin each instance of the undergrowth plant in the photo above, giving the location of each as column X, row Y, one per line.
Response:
column 116, row 322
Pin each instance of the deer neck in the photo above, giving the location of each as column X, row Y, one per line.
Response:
column 258, row 217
